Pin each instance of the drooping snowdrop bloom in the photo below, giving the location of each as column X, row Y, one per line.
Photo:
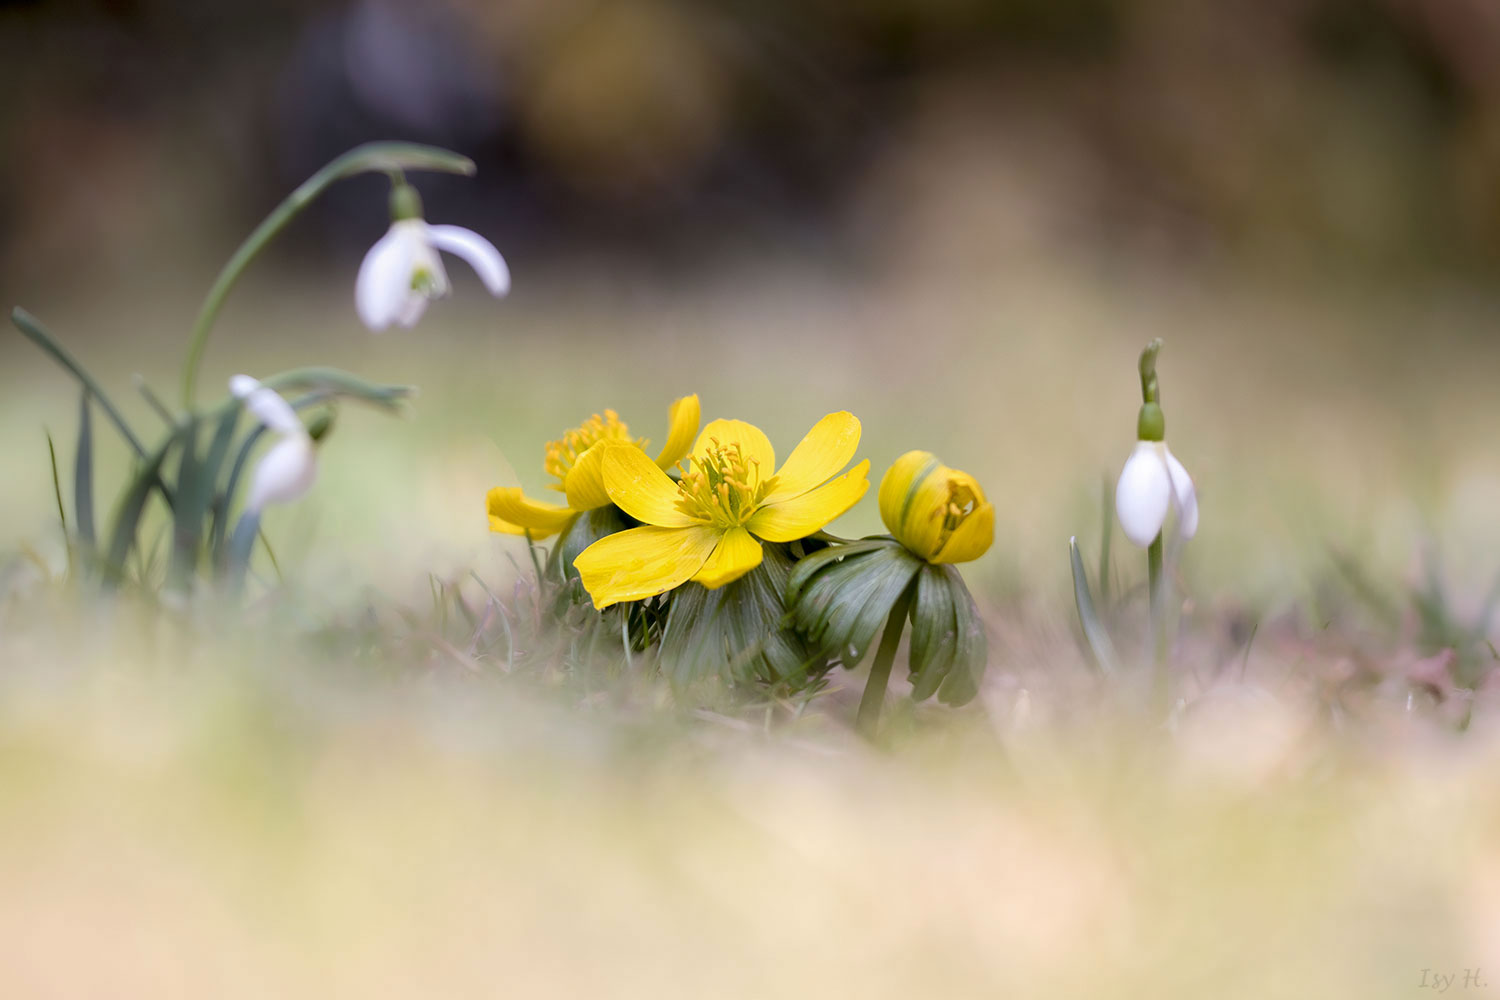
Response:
column 289, row 468
column 1152, row 483
column 403, row 272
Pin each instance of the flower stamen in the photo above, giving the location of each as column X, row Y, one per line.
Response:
column 564, row 452
column 722, row 487
column 955, row 510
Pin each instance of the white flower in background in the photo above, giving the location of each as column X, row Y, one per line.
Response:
column 1152, row 483
column 402, row 271
column 290, row 467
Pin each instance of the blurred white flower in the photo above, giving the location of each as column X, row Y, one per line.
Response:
column 1152, row 483
column 402, row 271
column 290, row 467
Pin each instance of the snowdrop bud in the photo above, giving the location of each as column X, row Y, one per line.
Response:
column 289, row 469
column 1153, row 482
column 286, row 472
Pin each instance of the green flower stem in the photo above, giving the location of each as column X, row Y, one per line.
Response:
column 383, row 157
column 867, row 721
column 1158, row 620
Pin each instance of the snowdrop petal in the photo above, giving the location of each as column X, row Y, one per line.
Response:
column 1184, row 495
column 266, row 405
column 1143, row 494
column 478, row 251
column 411, row 310
column 285, row 472
column 384, row 281
column 428, row 278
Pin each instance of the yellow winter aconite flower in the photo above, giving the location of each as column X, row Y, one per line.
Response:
column 705, row 528
column 938, row 513
column 574, row 459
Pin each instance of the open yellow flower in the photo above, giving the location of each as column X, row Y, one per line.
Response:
column 574, row 459
column 938, row 513
column 705, row 528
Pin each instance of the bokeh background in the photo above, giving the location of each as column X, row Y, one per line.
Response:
column 960, row 219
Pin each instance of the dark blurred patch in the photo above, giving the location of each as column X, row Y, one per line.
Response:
column 1367, row 130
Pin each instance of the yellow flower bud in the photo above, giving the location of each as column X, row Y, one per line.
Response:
column 938, row 513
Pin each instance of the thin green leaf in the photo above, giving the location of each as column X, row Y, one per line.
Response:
column 193, row 495
column 62, row 515
column 128, row 519
column 154, row 401
column 213, row 462
column 83, row 478
column 42, row 337
column 1096, row 636
column 240, row 545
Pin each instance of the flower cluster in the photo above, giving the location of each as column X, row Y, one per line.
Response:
column 730, row 546
column 196, row 468
column 711, row 552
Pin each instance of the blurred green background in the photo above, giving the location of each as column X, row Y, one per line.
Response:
column 958, row 219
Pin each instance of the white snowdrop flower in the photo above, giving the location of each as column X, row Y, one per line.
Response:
column 403, row 272
column 289, row 468
column 1152, row 483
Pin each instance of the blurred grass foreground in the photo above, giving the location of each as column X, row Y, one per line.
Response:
column 183, row 817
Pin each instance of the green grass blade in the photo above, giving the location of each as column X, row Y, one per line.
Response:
column 39, row 335
column 83, row 478
column 128, row 519
column 241, row 543
column 213, row 463
column 154, row 401
column 225, row 501
column 194, row 492
column 62, row 515
column 1095, row 635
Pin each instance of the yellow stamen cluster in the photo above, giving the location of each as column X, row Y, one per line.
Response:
column 961, row 503
column 562, row 453
column 723, row 487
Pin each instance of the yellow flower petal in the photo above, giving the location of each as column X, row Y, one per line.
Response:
column 820, row 456
column 637, row 563
column 899, row 484
column 803, row 515
column 512, row 513
column 584, row 482
column 752, row 441
column 972, row 538
column 737, row 554
column 682, row 426
column 640, row 488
